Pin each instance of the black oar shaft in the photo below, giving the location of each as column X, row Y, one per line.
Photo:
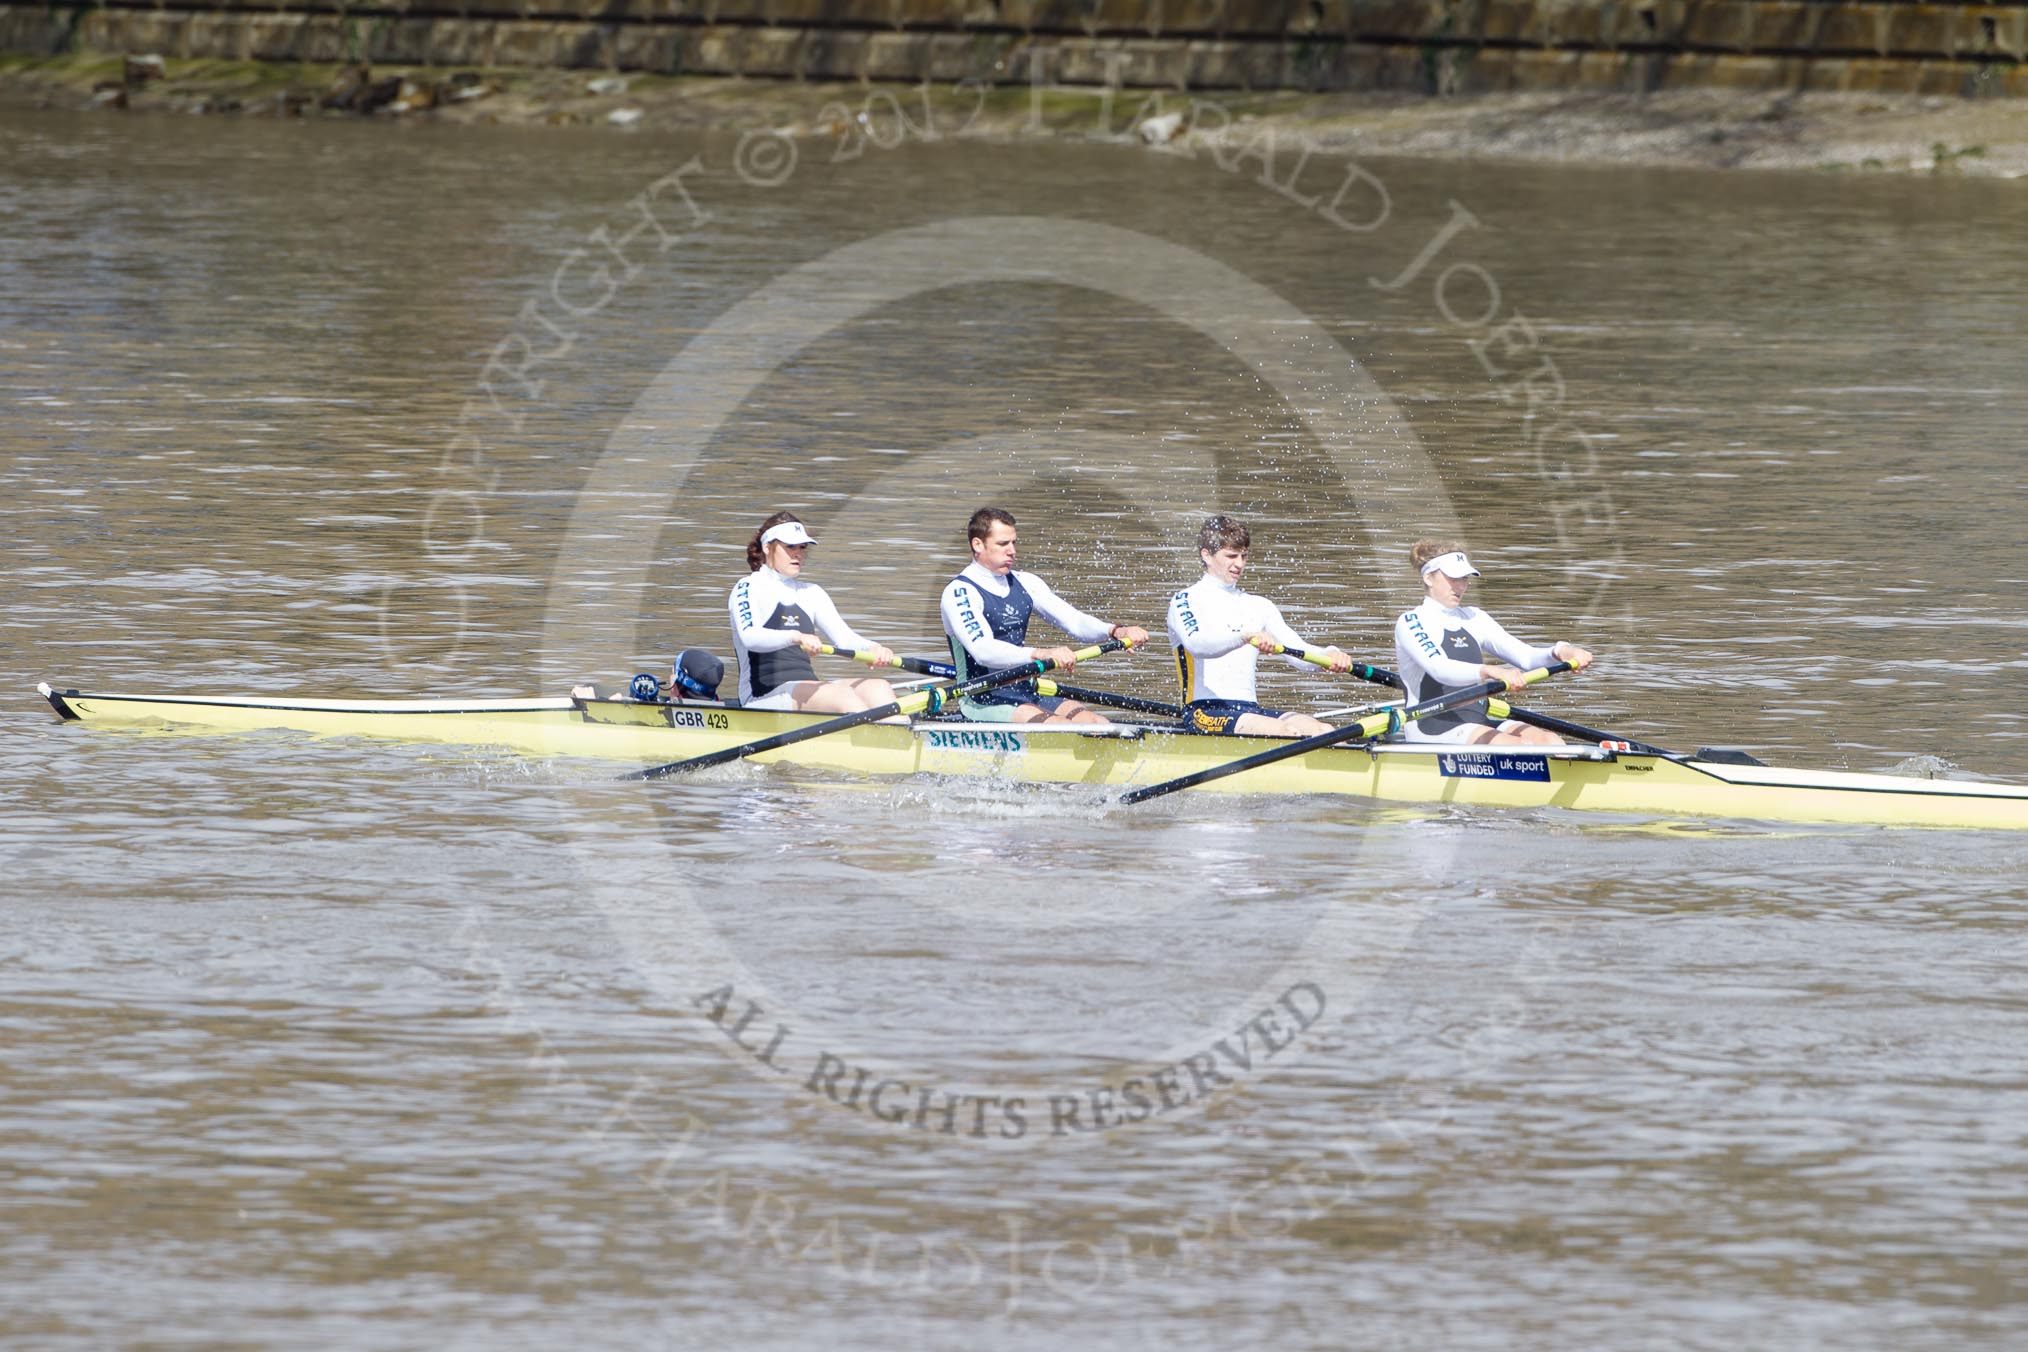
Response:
column 1563, row 727
column 1133, row 703
column 932, row 699
column 1365, row 671
column 1374, row 725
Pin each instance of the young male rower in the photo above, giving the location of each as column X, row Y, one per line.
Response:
column 1219, row 633
column 986, row 610
column 1442, row 645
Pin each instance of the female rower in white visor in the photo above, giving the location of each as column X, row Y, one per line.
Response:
column 1444, row 645
column 776, row 622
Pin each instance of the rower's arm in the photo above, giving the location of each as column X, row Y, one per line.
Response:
column 1063, row 614
column 1415, row 638
column 1191, row 634
column 1496, row 640
column 824, row 614
column 1278, row 630
column 750, row 612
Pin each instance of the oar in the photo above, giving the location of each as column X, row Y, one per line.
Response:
column 1497, row 708
column 1365, row 672
column 1376, row 725
column 1359, row 709
column 1132, row 703
column 864, row 655
column 930, row 700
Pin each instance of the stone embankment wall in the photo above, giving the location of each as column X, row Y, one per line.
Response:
column 1431, row 46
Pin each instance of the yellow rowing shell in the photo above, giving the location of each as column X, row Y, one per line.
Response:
column 1125, row 756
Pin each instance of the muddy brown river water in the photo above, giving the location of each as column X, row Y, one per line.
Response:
column 339, row 1043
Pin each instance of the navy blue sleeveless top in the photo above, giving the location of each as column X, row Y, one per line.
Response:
column 1006, row 618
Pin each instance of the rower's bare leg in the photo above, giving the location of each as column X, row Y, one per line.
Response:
column 829, row 697
column 1070, row 711
column 872, row 690
column 876, row 693
column 1288, row 725
column 1523, row 736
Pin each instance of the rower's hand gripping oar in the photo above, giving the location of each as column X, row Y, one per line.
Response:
column 928, row 700
column 1375, row 725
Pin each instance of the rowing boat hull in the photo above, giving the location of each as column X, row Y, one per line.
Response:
column 1581, row 778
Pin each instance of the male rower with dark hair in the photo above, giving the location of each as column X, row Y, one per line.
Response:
column 1219, row 633
column 986, row 610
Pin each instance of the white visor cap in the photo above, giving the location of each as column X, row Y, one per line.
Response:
column 1453, row 564
column 790, row 533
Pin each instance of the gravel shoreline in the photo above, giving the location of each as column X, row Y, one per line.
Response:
column 1698, row 129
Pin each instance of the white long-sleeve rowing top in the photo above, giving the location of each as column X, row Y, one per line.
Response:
column 1208, row 624
column 768, row 611
column 1441, row 648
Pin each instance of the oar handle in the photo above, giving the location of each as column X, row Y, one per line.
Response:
column 862, row 655
column 1365, row 671
column 1314, row 658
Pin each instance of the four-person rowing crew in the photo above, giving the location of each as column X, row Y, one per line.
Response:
column 1217, row 631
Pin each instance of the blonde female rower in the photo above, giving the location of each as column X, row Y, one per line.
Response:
column 777, row 618
column 1444, row 645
